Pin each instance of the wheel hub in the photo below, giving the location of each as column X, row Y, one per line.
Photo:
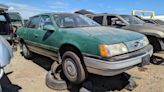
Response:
column 71, row 69
column 24, row 49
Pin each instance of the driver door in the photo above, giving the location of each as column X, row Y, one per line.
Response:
column 46, row 37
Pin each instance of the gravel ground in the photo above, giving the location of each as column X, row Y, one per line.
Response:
column 29, row 76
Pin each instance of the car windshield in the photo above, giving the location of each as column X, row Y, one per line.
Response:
column 14, row 17
column 73, row 21
column 159, row 22
column 132, row 20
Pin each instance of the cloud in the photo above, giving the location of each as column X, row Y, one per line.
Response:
column 25, row 10
column 58, row 5
column 119, row 9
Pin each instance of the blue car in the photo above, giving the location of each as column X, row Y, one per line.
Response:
column 6, row 54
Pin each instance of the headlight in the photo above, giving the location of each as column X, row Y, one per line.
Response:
column 145, row 41
column 112, row 50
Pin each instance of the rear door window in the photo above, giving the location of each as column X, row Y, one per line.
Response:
column 98, row 19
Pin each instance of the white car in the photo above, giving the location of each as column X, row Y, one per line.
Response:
column 6, row 54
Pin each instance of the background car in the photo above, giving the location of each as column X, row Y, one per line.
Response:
column 155, row 33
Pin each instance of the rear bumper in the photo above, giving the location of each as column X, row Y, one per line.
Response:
column 118, row 64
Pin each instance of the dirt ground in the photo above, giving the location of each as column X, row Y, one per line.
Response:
column 29, row 76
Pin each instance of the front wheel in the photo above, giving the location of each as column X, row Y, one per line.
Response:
column 26, row 52
column 73, row 68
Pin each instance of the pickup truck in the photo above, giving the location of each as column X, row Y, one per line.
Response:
column 82, row 46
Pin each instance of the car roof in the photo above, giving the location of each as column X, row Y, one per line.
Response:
column 56, row 14
column 13, row 12
column 105, row 14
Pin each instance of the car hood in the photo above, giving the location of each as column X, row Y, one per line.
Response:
column 147, row 29
column 109, row 35
column 6, row 52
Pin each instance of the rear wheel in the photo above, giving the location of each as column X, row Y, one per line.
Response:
column 26, row 52
column 73, row 68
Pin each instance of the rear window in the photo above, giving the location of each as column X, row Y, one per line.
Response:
column 2, row 18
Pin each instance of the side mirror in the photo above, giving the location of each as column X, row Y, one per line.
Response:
column 48, row 28
column 120, row 23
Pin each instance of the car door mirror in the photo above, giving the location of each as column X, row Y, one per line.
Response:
column 48, row 28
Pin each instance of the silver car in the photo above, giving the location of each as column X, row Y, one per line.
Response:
column 6, row 54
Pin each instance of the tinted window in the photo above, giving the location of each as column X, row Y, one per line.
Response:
column 34, row 22
column 98, row 19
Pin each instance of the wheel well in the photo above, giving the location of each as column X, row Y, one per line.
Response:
column 69, row 47
column 21, row 40
column 155, row 42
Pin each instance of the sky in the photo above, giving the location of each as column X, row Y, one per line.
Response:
column 28, row 8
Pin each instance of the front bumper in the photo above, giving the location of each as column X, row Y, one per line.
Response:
column 118, row 64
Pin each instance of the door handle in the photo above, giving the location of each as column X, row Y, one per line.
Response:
column 36, row 35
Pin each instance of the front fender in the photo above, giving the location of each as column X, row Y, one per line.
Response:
column 6, row 52
column 85, row 45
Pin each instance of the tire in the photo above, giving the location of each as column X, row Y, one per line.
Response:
column 57, row 71
column 26, row 52
column 55, row 84
column 72, row 67
column 155, row 42
column 84, row 90
column 132, row 85
column 156, row 60
column 0, row 88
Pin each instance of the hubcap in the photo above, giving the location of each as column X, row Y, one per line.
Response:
column 70, row 68
column 25, row 51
